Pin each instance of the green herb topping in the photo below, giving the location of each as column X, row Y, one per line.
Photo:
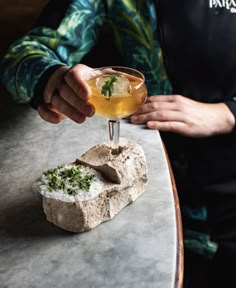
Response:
column 69, row 179
column 108, row 86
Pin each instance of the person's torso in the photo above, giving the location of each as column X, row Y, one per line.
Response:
column 198, row 40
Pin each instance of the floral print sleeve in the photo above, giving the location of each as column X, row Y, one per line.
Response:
column 135, row 26
column 44, row 47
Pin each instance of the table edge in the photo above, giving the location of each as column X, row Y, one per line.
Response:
column 179, row 273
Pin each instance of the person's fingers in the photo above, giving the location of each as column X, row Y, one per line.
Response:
column 168, row 126
column 65, row 108
column 161, row 115
column 157, row 106
column 47, row 113
column 75, row 76
column 54, row 82
column 75, row 101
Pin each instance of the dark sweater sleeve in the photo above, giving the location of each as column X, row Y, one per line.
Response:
column 232, row 106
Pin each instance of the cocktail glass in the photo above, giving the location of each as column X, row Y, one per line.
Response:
column 116, row 93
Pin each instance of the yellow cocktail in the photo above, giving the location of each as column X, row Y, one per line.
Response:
column 116, row 92
column 121, row 103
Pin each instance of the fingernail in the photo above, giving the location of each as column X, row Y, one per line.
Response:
column 134, row 118
column 89, row 110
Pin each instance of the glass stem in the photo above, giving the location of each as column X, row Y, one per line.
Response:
column 114, row 133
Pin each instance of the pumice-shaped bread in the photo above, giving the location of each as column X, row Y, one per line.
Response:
column 79, row 196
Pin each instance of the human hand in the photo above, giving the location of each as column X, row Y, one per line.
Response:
column 66, row 96
column 176, row 113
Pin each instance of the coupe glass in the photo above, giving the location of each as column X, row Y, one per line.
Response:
column 116, row 92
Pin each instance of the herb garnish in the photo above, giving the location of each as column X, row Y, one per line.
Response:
column 108, row 86
column 68, row 179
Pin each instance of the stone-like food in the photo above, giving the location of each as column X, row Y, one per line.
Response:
column 79, row 196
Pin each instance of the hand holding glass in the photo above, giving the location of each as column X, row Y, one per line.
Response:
column 116, row 92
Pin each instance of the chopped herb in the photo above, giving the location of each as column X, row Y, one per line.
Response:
column 108, row 86
column 69, row 179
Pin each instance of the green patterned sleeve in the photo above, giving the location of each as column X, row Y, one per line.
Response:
column 46, row 46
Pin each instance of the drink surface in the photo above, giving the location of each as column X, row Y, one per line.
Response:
column 121, row 103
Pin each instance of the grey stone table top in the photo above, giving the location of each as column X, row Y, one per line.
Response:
column 137, row 248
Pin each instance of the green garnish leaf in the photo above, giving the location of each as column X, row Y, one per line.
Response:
column 108, row 86
column 68, row 179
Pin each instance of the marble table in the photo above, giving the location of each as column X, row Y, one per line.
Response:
column 139, row 247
